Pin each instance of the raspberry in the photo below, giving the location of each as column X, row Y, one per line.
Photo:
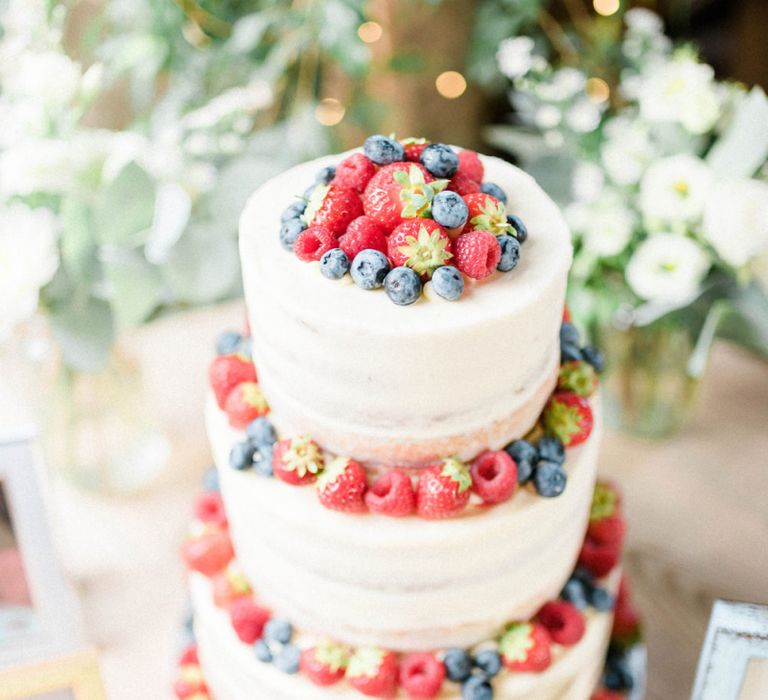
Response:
column 209, row 508
column 248, row 619
column 332, row 207
column 563, row 621
column 471, row 166
column 494, row 476
column 421, row 676
column 392, row 494
column 354, row 172
column 364, row 232
column 463, row 185
column 421, row 244
column 413, row 149
column 476, row 254
column 312, row 243
column 598, row 558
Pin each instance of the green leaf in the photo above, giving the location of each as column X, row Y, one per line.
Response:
column 124, row 209
column 408, row 62
column 84, row 332
column 135, row 286
column 78, row 244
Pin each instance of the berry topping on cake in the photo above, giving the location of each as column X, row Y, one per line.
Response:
column 477, row 688
column 325, row 663
column 209, row 552
column 332, row 207
column 549, row 479
column 521, row 230
column 229, row 585
column 463, row 185
column 494, row 476
column 569, row 417
column 494, row 190
column 443, row 489
column 325, row 175
column 262, row 651
column 578, row 377
column 510, row 253
column 369, row 269
column 373, row 672
column 392, row 494
column 313, row 243
column 403, row 286
column 606, row 501
column 476, row 254
column 526, row 647
column 594, row 356
column 448, row 282
column 421, row 676
column 334, row 264
column 278, row 630
column 226, row 372
column 551, row 448
column 576, row 591
column 563, row 621
column 470, row 165
column 605, row 694
column 486, row 213
column 354, row 172
column 297, row 461
column 244, row 403
column 626, row 621
column 209, row 509
column 450, row 210
column 341, row 486
column 241, row 455
column 228, row 343
column 288, row 659
column 421, row 244
column 458, row 665
column 363, row 233
column 293, row 210
column 261, row 432
column 289, row 232
column 489, row 662
column 598, row 558
column 413, row 148
column 440, row 160
column 610, row 529
column 248, row 619
column 383, row 150
column 525, row 455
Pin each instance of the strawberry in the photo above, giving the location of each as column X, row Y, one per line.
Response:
column 477, row 253
column 421, row 676
column 190, row 683
column 610, row 530
column 626, row 621
column 413, row 148
column 364, row 232
column 248, row 619
column 354, row 173
column 568, row 416
column 342, row 485
column 563, row 621
column 332, row 207
column 606, row 500
column 392, row 494
column 443, row 489
column 463, row 185
column 244, row 404
column 578, row 377
column 226, row 372
column 325, row 663
column 421, row 244
column 526, row 646
column 229, row 585
column 487, row 214
column 189, row 656
column 400, row 191
column 373, row 672
column 297, row 461
column 209, row 552
column 605, row 694
column 599, row 559
column 313, row 242
column 494, row 476
column 209, row 509
column 566, row 314
column 470, row 165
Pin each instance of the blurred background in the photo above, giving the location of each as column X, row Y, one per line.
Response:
column 134, row 130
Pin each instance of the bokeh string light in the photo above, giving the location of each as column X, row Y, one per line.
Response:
column 606, row 7
column 451, row 84
column 329, row 111
column 370, row 32
column 598, row 90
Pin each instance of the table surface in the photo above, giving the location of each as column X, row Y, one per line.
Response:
column 696, row 505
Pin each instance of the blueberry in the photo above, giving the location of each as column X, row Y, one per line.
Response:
column 293, row 211
column 594, row 356
column 261, row 432
column 228, row 342
column 309, row 191
column 489, row 662
column 581, row 574
column 618, row 675
column 494, row 190
column 522, row 451
column 383, row 150
column 510, row 253
column 262, row 651
column 369, row 268
column 569, row 334
column 440, row 160
column 524, row 471
column 575, row 592
column 449, row 209
column 549, row 479
column 458, row 665
column 477, row 688
column 290, row 231
column 600, row 599
column 241, row 455
column 403, row 286
column 325, row 175
column 278, row 630
column 448, row 282
column 521, row 230
column 262, row 460
column 570, row 353
column 288, row 658
column 334, row 264
column 211, row 479
column 552, row 449
column 246, row 347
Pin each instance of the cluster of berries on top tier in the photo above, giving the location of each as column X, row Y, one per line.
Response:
column 401, row 215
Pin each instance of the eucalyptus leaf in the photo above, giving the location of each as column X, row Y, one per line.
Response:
column 124, row 210
column 84, row 332
column 78, row 243
column 135, row 286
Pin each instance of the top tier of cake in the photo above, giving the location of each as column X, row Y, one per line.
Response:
column 393, row 385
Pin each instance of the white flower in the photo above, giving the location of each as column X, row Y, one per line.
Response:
column 514, row 56
column 35, row 166
column 609, row 227
column 587, row 183
column 736, row 220
column 627, row 150
column 28, row 260
column 569, row 82
column 49, row 77
column 583, row 117
column 667, row 268
column 674, row 189
column 547, row 117
column 643, row 21
column 681, row 91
